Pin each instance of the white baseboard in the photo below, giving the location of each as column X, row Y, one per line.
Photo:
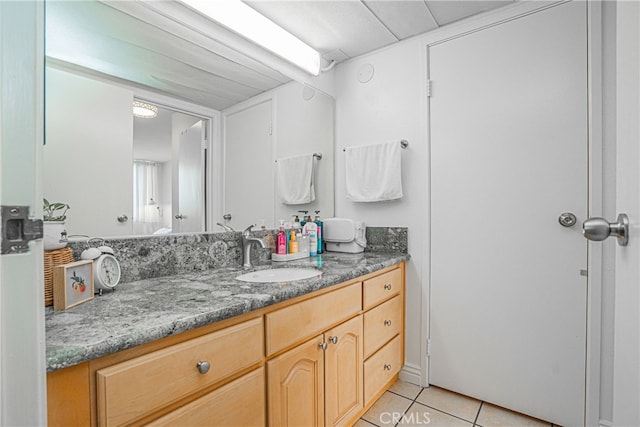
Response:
column 411, row 373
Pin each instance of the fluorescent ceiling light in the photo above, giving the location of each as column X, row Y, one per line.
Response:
column 242, row 19
column 144, row 110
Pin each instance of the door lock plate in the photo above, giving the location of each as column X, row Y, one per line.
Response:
column 567, row 219
column 18, row 230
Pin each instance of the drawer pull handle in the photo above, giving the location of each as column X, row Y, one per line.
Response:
column 323, row 345
column 387, row 367
column 387, row 286
column 203, row 367
column 334, row 340
column 387, row 322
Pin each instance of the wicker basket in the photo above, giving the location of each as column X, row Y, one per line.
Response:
column 51, row 259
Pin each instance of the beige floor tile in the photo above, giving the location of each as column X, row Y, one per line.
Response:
column 405, row 389
column 362, row 423
column 420, row 416
column 382, row 412
column 495, row 416
column 452, row 403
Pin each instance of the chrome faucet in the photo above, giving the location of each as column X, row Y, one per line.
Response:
column 247, row 241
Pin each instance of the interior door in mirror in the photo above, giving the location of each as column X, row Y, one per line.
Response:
column 188, row 212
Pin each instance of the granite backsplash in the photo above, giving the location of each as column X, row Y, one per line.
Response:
column 146, row 257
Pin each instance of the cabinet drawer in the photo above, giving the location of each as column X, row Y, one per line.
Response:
column 381, row 367
column 381, row 324
column 137, row 387
column 308, row 318
column 239, row 403
column 382, row 287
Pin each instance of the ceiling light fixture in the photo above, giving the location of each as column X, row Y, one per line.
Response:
column 144, row 110
column 242, row 19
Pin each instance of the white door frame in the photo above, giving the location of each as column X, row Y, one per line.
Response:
column 594, row 55
column 22, row 337
column 626, row 372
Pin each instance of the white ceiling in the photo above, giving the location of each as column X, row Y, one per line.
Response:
column 167, row 47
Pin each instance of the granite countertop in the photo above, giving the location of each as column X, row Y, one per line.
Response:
column 146, row 310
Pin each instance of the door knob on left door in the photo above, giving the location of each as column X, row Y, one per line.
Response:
column 598, row 229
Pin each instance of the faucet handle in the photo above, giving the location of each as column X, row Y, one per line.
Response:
column 247, row 230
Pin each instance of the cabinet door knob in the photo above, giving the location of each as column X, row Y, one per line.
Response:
column 387, row 286
column 323, row 345
column 203, row 367
column 387, row 322
column 334, row 340
column 387, row 367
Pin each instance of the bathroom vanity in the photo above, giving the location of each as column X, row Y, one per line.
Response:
column 206, row 349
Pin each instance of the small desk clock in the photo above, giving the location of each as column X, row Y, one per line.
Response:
column 106, row 268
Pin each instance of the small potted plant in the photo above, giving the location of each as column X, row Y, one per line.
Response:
column 54, row 216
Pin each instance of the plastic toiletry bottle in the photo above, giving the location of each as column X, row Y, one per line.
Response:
column 303, row 243
column 319, row 223
column 296, row 222
column 293, row 243
column 312, row 230
column 286, row 235
column 281, row 240
column 304, row 218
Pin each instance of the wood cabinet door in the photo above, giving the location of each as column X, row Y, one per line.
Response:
column 343, row 372
column 296, row 386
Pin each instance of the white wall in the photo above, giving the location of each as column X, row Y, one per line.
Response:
column 392, row 106
column 88, row 152
column 303, row 126
column 299, row 126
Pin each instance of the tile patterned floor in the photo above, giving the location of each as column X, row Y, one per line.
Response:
column 406, row 404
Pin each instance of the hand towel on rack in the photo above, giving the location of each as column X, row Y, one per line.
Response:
column 373, row 172
column 295, row 179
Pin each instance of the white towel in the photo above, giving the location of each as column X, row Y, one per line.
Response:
column 373, row 172
column 295, row 180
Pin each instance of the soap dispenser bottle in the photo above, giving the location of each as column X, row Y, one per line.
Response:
column 281, row 240
column 311, row 229
column 293, row 243
column 319, row 224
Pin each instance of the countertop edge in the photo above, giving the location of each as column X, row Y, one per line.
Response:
column 60, row 356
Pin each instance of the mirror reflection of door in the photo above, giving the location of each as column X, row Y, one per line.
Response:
column 189, row 207
column 164, row 184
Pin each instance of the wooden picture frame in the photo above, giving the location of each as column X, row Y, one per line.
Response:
column 72, row 284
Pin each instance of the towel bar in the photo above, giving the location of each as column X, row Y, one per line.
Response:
column 403, row 143
column 316, row 155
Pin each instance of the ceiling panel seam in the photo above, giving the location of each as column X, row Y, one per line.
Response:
column 431, row 13
column 380, row 21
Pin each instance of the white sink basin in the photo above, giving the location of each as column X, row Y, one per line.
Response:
column 279, row 275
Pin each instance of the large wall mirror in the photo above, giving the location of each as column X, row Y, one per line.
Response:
column 190, row 167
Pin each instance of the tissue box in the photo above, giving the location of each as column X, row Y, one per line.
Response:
column 344, row 235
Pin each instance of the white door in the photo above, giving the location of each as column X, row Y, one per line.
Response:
column 189, row 210
column 22, row 354
column 508, row 123
column 626, row 381
column 247, row 146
